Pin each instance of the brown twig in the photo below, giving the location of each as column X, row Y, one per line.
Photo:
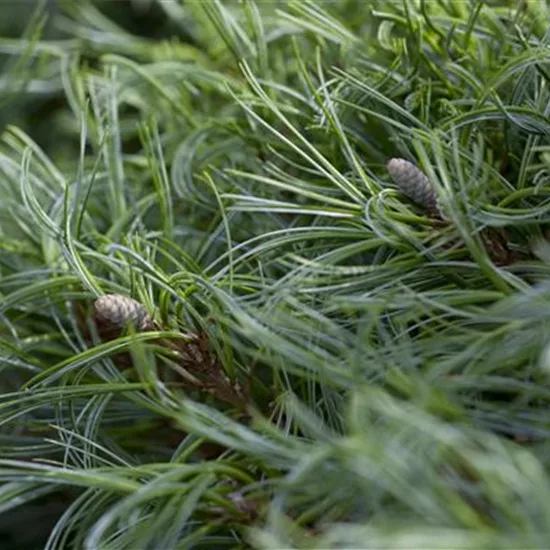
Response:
column 416, row 185
column 113, row 313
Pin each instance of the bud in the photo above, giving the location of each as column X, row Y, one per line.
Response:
column 414, row 183
column 117, row 310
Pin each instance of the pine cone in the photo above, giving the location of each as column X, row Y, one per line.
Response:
column 118, row 311
column 414, row 183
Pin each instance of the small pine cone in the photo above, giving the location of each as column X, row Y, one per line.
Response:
column 414, row 183
column 118, row 311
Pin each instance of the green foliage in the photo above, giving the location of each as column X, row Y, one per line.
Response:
column 226, row 167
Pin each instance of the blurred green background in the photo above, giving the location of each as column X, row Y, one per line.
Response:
column 31, row 96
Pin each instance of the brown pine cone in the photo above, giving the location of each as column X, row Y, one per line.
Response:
column 119, row 311
column 414, row 183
